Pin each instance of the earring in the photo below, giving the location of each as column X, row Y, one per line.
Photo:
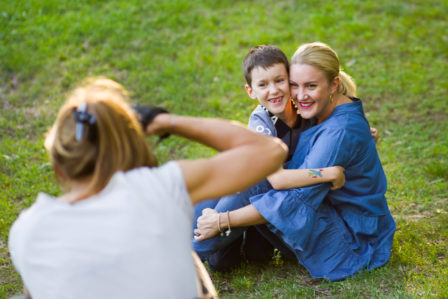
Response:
column 294, row 104
column 331, row 98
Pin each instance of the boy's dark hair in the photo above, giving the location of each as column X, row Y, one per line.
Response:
column 263, row 56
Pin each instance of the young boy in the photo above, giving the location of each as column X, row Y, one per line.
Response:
column 266, row 70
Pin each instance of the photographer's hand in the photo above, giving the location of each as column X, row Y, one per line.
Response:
column 161, row 125
column 147, row 116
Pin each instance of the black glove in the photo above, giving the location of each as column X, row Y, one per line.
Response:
column 147, row 114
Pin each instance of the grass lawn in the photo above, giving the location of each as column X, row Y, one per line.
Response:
column 186, row 56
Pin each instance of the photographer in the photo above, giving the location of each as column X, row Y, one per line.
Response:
column 122, row 227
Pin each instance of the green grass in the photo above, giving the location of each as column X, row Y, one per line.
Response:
column 186, row 57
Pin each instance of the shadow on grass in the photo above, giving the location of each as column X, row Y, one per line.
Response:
column 418, row 268
column 288, row 279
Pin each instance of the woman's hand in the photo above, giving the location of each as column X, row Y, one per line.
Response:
column 207, row 225
column 339, row 177
column 375, row 134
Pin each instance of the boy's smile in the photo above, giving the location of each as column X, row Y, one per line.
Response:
column 271, row 87
column 276, row 100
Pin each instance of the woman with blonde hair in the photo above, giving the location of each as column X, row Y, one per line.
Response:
column 121, row 228
column 333, row 233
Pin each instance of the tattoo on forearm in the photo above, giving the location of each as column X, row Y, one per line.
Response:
column 314, row 173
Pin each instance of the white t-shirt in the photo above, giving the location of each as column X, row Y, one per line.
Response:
column 132, row 240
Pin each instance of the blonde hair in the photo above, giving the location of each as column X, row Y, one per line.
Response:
column 324, row 58
column 114, row 142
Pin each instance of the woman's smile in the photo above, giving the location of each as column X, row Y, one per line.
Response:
column 306, row 105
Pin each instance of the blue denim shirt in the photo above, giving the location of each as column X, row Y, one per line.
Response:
column 334, row 234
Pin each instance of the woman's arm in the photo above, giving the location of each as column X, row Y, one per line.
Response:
column 284, row 178
column 208, row 222
column 247, row 157
column 296, row 178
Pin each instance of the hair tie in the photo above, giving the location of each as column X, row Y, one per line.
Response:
column 82, row 117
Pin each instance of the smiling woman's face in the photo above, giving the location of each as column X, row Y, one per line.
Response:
column 311, row 90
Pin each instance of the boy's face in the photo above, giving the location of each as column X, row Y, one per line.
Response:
column 271, row 87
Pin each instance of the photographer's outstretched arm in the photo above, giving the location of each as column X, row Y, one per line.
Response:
column 246, row 157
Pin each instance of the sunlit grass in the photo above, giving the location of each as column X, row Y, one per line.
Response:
column 186, row 56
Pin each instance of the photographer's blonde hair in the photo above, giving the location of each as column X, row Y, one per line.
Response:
column 324, row 58
column 114, row 142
